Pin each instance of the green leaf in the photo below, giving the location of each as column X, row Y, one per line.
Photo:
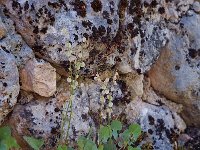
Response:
column 81, row 142
column 116, row 125
column 100, row 147
column 105, row 133
column 3, row 146
column 115, row 134
column 125, row 135
column 90, row 145
column 5, row 132
column 136, row 130
column 131, row 148
column 62, row 147
column 135, row 148
column 10, row 142
column 36, row 144
column 110, row 145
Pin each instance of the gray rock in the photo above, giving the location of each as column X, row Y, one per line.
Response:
column 9, row 83
column 176, row 74
column 13, row 42
column 160, row 123
column 196, row 6
column 40, row 119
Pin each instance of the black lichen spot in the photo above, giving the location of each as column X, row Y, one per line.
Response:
column 26, row 6
column 15, row 5
column 44, row 30
column 177, row 67
column 105, row 15
column 80, row 8
column 96, row 5
column 154, row 3
column 54, row 131
column 193, row 53
column 36, row 30
column 151, row 120
column 86, row 24
column 5, row 84
column 75, row 37
column 54, row 5
column 84, row 117
column 56, row 109
column 150, row 131
column 161, row 10
column 97, row 33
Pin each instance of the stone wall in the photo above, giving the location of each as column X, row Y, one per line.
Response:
column 154, row 46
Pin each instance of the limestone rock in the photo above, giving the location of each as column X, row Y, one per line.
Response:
column 40, row 119
column 160, row 123
column 196, row 6
column 12, row 42
column 176, row 73
column 9, row 83
column 40, row 77
column 2, row 29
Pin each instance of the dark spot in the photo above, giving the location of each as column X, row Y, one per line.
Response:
column 36, row 30
column 105, row 15
column 96, row 5
column 75, row 37
column 54, row 131
column 26, row 6
column 84, row 116
column 151, row 120
column 80, row 8
column 177, row 67
column 154, row 3
column 5, row 84
column 150, row 131
column 15, row 5
column 161, row 10
column 138, row 71
column 193, row 53
column 54, row 5
column 44, row 30
column 87, row 24
column 56, row 109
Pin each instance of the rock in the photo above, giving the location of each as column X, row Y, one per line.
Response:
column 13, row 42
column 40, row 119
column 50, row 27
column 9, row 83
column 196, row 6
column 2, row 29
column 161, row 124
column 135, row 84
column 40, row 77
column 176, row 73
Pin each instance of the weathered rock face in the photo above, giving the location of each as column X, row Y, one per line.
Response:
column 9, row 83
column 12, row 42
column 139, row 56
column 161, row 124
column 40, row 77
column 39, row 118
column 176, row 74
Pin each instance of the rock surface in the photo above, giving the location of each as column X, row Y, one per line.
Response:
column 9, row 83
column 161, row 124
column 176, row 74
column 139, row 63
column 40, row 77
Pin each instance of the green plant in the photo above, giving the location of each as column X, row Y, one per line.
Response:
column 6, row 139
column 76, row 63
column 36, row 144
column 111, row 136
